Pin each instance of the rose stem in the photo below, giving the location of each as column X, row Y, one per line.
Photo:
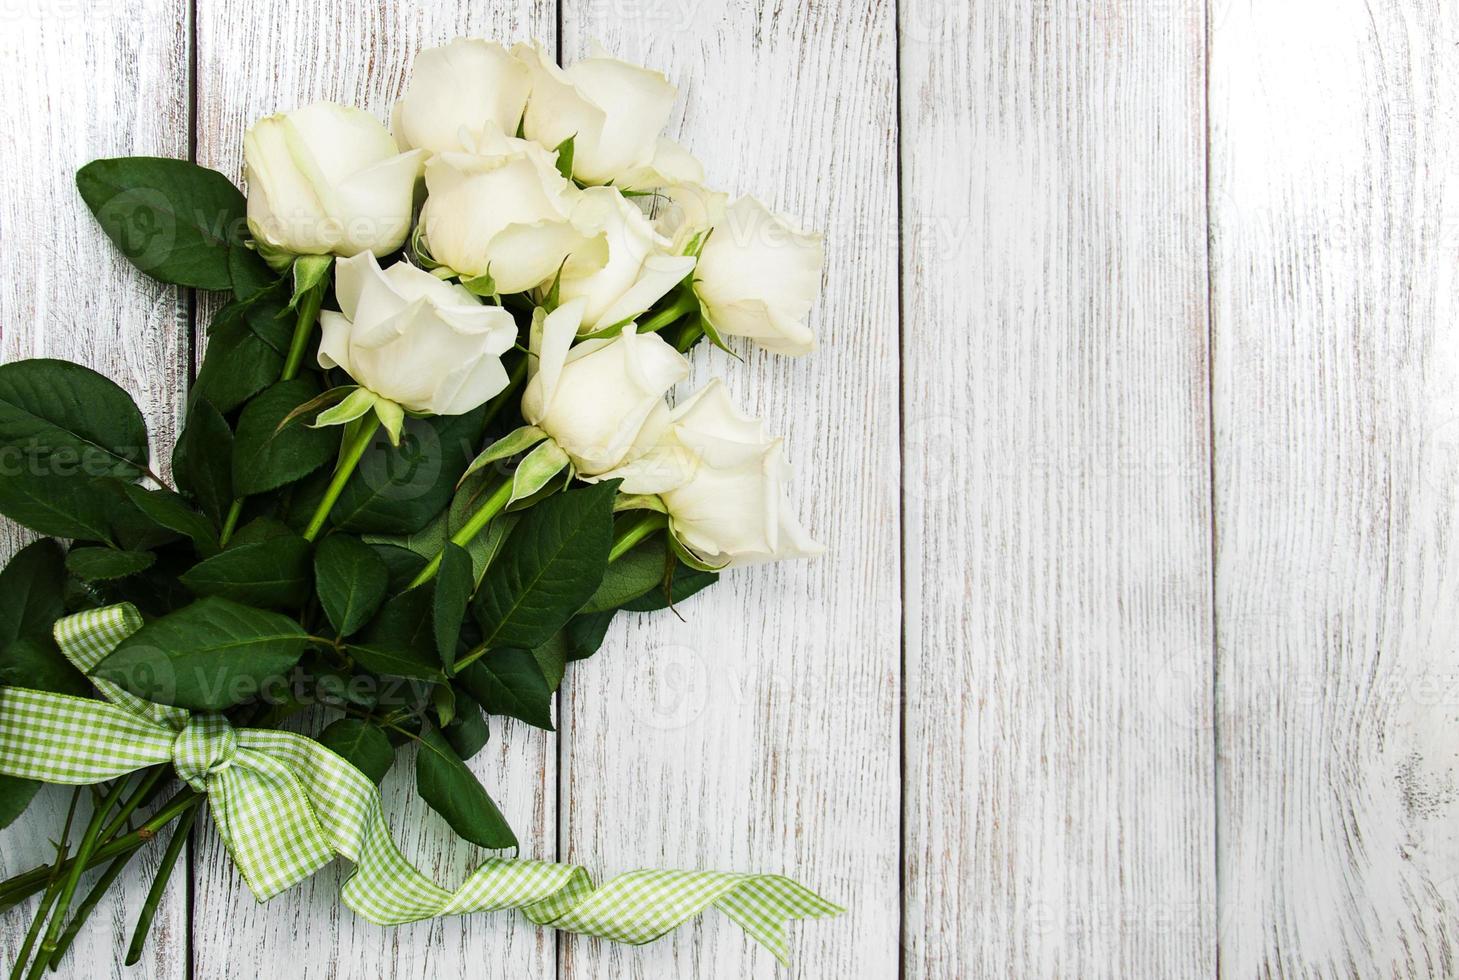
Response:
column 686, row 303
column 488, row 509
column 635, row 532
column 52, row 879
column 144, row 790
column 78, row 867
column 159, row 884
column 89, row 903
column 22, row 886
column 356, row 440
column 309, row 305
column 622, row 543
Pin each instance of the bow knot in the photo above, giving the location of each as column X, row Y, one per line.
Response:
column 205, row 746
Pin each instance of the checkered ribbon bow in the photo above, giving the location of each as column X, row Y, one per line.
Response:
column 286, row 806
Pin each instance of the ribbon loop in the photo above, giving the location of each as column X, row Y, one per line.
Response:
column 206, row 746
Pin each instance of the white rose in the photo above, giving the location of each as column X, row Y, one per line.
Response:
column 757, row 276
column 505, row 211
column 457, row 91
column 601, row 401
column 687, row 210
column 328, row 179
column 639, row 269
column 426, row 345
column 614, row 111
column 723, row 483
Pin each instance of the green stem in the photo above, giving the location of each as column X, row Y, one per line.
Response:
column 78, row 867
column 31, row 934
column 159, row 885
column 51, row 876
column 356, row 441
column 22, row 886
column 89, row 903
column 139, row 796
column 473, row 526
column 635, row 532
column 230, row 522
column 309, row 305
column 686, row 303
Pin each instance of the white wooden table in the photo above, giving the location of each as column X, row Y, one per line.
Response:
column 1134, row 435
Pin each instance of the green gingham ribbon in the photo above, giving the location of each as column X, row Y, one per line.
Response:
column 285, row 806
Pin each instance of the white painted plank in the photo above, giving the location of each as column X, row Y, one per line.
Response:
column 1059, row 810
column 255, row 58
column 79, row 82
column 1335, row 135
column 761, row 731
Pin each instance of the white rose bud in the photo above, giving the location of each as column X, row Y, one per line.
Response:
column 426, row 345
column 757, row 276
column 459, row 90
column 506, row 212
column 602, row 401
column 723, row 483
column 614, row 111
column 639, row 269
column 328, row 179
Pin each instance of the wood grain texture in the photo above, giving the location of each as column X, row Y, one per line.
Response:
column 760, row 732
column 1059, row 811
column 255, row 58
column 82, row 81
column 1335, row 239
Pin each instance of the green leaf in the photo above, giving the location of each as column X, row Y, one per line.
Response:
column 629, row 577
column 173, row 220
column 564, row 157
column 362, row 745
column 58, row 505
column 686, row 583
column 510, row 682
column 400, row 641
column 350, row 579
column 454, row 582
column 167, row 509
column 403, row 565
column 453, row 791
column 265, row 457
column 552, row 659
column 272, row 573
column 207, row 656
column 583, row 635
column 202, row 462
column 399, row 490
column 104, row 564
column 15, row 796
column 32, row 591
column 550, row 565
column 249, row 274
column 309, row 273
column 238, row 363
column 32, row 598
column 36, row 662
column 468, row 731
column 62, row 419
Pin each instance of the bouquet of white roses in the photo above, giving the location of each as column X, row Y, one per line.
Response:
column 429, row 456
